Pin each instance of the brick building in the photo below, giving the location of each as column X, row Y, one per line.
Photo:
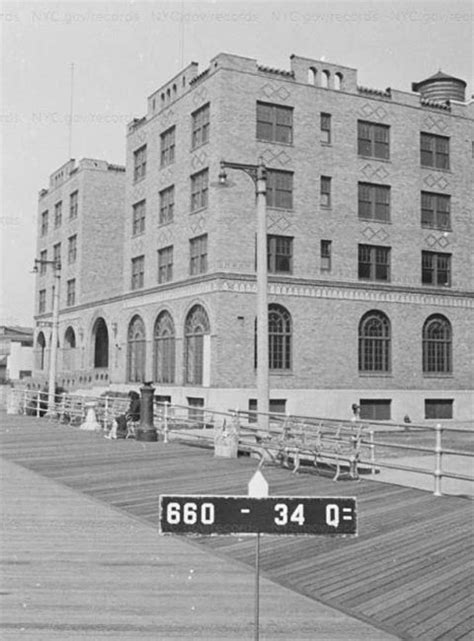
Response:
column 369, row 203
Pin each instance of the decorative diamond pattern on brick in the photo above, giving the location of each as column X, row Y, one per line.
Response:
column 370, row 111
column 165, row 235
column 278, row 222
column 433, row 180
column 272, row 157
column 271, row 91
column 197, row 224
column 200, row 95
column 372, row 234
column 437, row 241
column 375, row 172
column 432, row 122
column 199, row 159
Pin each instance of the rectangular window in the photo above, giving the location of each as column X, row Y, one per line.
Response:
column 139, row 163
column 279, row 189
column 435, row 269
column 72, row 249
column 138, row 272
column 275, row 406
column 138, row 223
column 280, row 254
column 196, row 411
column 57, row 253
column 435, row 210
column 73, row 204
column 44, row 223
column 438, row 408
column 58, row 213
column 274, row 123
column 373, row 140
column 71, row 292
column 374, row 262
column 326, row 128
column 374, row 202
column 199, row 190
column 375, row 409
column 200, row 126
column 42, row 301
column 42, row 264
column 325, row 190
column 326, row 247
column 434, row 151
column 198, row 255
column 165, row 264
column 167, row 146
column 166, row 205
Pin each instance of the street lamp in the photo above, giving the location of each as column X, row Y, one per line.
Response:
column 259, row 176
column 54, row 331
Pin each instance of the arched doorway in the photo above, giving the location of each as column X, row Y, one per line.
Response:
column 40, row 351
column 136, row 350
column 69, row 349
column 197, row 347
column 100, row 336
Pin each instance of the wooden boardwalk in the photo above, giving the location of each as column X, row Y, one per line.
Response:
column 409, row 572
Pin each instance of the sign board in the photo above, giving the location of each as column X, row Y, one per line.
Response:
column 308, row 515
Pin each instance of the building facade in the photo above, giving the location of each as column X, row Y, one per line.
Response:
column 369, row 236
column 16, row 353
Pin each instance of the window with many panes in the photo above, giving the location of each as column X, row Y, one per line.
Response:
column 374, row 262
column 167, row 146
column 280, row 254
column 71, row 292
column 198, row 255
column 200, row 126
column 196, row 346
column 373, row 140
column 274, row 123
column 72, row 249
column 42, row 264
column 165, row 264
column 279, row 189
column 44, row 223
column 166, row 205
column 374, row 202
column 326, row 250
column 325, row 123
column 138, row 272
column 138, row 220
column 374, row 342
column 437, row 345
column 435, row 210
column 42, row 301
column 136, row 350
column 58, row 213
column 434, row 151
column 199, row 189
column 57, row 253
column 279, row 338
column 73, row 204
column 164, row 349
column 435, row 269
column 325, row 191
column 139, row 163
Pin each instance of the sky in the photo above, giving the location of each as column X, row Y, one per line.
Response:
column 123, row 51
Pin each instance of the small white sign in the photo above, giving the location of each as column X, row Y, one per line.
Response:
column 258, row 486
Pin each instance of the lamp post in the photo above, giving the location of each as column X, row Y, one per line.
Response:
column 259, row 176
column 54, row 332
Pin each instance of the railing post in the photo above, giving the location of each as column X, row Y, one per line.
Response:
column 165, row 422
column 372, row 452
column 438, row 472
column 63, row 405
column 38, row 404
column 25, row 401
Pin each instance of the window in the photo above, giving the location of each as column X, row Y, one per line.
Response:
column 274, row 123
column 138, row 223
column 40, row 351
column 434, row 151
column 373, row 140
column 165, row 264
column 435, row 269
column 438, row 408
column 374, row 202
column 326, row 128
column 198, row 255
column 166, row 205
column 73, row 204
column 167, row 146
column 164, row 352
column 136, row 350
column 200, row 126
column 374, row 262
column 42, row 301
column 57, row 253
column 325, row 190
column 139, row 163
column 435, row 210
column 100, row 335
column 199, row 190
column 279, row 338
column 42, row 264
column 378, row 409
column 58, row 213
column 196, row 411
column 71, row 292
column 197, row 334
column 437, row 345
column 280, row 254
column 326, row 246
column 72, row 249
column 374, row 343
column 138, row 272
column 44, row 223
column 275, row 406
column 279, row 189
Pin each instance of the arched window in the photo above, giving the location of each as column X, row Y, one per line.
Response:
column 69, row 349
column 136, row 352
column 197, row 345
column 437, row 345
column 164, row 349
column 338, row 78
column 312, row 75
column 279, row 338
column 40, row 351
column 325, row 79
column 101, row 343
column 374, row 342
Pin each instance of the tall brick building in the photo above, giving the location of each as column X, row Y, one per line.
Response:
column 369, row 207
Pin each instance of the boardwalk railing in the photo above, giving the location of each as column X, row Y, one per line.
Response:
column 291, row 440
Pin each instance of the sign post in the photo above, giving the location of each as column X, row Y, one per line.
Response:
column 258, row 488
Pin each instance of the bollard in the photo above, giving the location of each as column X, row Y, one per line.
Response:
column 13, row 402
column 146, row 430
column 438, row 472
column 91, row 424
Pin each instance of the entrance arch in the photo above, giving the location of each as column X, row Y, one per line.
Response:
column 100, row 337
